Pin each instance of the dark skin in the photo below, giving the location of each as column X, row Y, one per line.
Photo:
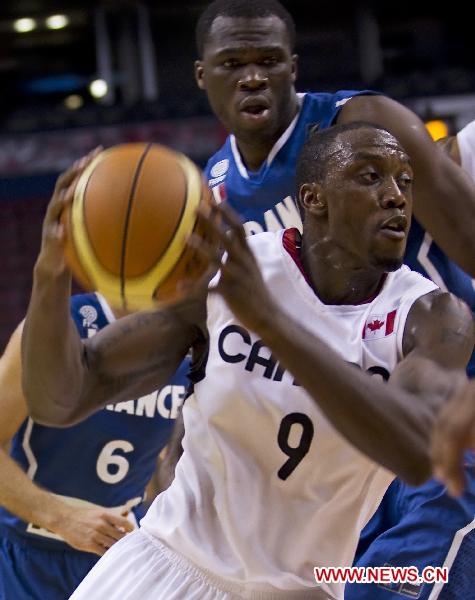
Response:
column 391, row 423
column 248, row 66
column 453, row 434
column 248, row 72
column 454, row 430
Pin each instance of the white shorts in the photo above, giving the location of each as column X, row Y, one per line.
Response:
column 139, row 567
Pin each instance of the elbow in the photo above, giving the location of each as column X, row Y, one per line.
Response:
column 52, row 417
column 45, row 412
column 48, row 419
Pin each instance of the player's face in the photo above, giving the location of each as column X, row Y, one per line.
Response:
column 369, row 193
column 248, row 73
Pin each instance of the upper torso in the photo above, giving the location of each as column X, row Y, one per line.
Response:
column 245, row 504
column 266, row 200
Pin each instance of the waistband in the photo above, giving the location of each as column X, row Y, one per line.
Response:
column 241, row 591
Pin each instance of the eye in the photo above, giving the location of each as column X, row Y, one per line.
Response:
column 369, row 177
column 231, row 63
column 404, row 180
column 269, row 61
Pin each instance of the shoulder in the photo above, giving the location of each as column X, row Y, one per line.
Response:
column 440, row 320
column 265, row 243
column 218, row 164
column 442, row 305
column 370, row 107
column 78, row 300
column 85, row 306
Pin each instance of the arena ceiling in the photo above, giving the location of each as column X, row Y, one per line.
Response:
column 413, row 48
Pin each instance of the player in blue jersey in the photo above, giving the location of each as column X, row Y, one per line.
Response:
column 67, row 495
column 248, row 71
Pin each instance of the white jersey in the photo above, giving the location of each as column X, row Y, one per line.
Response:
column 466, row 144
column 266, row 488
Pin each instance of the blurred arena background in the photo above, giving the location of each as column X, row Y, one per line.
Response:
column 78, row 73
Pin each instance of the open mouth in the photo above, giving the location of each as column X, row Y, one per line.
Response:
column 257, row 109
column 254, row 107
column 395, row 227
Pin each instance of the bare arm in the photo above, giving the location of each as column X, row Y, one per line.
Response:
column 444, row 195
column 66, row 379
column 454, row 433
column 391, row 423
column 92, row 529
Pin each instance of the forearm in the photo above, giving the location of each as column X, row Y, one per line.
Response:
column 450, row 219
column 20, row 496
column 52, row 354
column 383, row 421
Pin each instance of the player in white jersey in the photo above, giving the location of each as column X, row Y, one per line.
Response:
column 287, row 431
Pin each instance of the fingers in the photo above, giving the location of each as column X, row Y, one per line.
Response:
column 448, row 462
column 65, row 185
column 453, row 434
column 95, row 548
column 110, row 530
column 223, row 224
column 119, row 522
column 192, row 288
column 210, row 252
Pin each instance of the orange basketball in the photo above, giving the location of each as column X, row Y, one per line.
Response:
column 134, row 208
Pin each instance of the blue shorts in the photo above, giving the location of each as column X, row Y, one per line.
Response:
column 29, row 573
column 420, row 526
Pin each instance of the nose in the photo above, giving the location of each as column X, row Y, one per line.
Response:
column 253, row 79
column 393, row 196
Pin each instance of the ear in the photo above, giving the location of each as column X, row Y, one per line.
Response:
column 312, row 199
column 295, row 60
column 199, row 74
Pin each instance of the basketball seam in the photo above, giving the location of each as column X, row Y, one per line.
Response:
column 182, row 212
column 127, row 223
column 84, row 216
column 192, row 231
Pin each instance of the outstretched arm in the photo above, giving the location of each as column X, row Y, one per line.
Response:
column 391, row 423
column 444, row 195
column 66, row 379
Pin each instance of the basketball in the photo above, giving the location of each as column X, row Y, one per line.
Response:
column 134, row 208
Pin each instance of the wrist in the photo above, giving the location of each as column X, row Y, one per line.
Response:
column 51, row 514
column 45, row 269
column 267, row 321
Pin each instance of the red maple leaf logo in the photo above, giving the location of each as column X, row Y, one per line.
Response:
column 375, row 325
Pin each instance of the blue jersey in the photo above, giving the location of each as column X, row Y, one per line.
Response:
column 425, row 256
column 107, row 459
column 265, row 199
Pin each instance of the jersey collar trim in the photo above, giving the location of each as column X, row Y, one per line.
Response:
column 105, row 307
column 292, row 242
column 276, row 147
